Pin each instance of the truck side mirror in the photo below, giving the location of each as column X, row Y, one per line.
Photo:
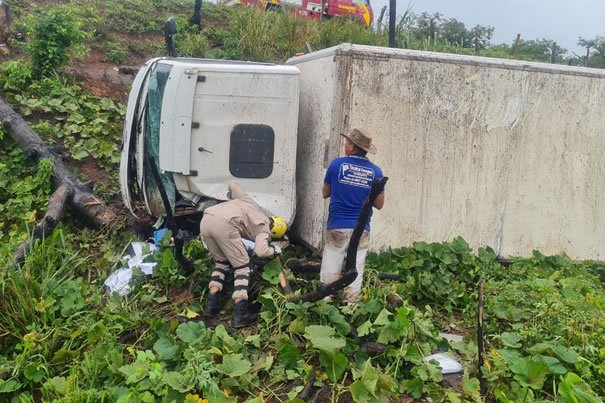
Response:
column 169, row 32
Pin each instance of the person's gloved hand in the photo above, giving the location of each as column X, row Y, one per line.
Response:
column 276, row 248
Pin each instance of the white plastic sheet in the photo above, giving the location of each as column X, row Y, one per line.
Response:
column 448, row 364
column 119, row 280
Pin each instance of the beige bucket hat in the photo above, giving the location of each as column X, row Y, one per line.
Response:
column 360, row 138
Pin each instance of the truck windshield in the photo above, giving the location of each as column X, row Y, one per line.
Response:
column 155, row 97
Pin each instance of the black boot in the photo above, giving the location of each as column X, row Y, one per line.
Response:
column 242, row 315
column 214, row 303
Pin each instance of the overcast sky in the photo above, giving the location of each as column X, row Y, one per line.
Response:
column 560, row 20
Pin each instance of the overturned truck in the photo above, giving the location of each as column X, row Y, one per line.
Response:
column 505, row 153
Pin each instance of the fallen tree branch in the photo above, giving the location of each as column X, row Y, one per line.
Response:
column 75, row 193
column 56, row 204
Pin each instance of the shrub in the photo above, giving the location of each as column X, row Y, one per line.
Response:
column 55, row 34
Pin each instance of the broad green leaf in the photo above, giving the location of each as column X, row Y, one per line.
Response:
column 271, row 271
column 335, row 365
column 359, row 392
column 452, row 396
column 221, row 333
column 9, row 386
column 413, row 354
column 34, row 372
column 322, row 338
column 79, row 154
column 165, row 348
column 264, row 363
column 512, row 340
column 566, row 354
column 191, row 332
column 135, row 372
column 177, row 381
column 414, row 387
column 529, row 372
column 554, row 365
column 365, row 328
column 253, row 340
column 287, row 352
column 383, row 318
column 388, row 335
column 369, row 377
column 366, row 386
column 471, row 388
column 336, row 318
column 58, row 384
column 234, row 365
column 540, row 348
column 573, row 389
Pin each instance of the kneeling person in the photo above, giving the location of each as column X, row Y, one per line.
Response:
column 222, row 228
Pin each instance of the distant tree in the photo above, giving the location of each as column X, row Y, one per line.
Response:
column 556, row 54
column 595, row 51
column 587, row 44
column 480, row 36
column 540, row 50
column 455, row 32
column 599, row 51
column 428, row 24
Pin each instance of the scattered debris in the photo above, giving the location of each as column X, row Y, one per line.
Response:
column 452, row 338
column 136, row 256
column 448, row 364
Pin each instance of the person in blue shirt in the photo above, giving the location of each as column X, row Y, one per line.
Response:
column 347, row 183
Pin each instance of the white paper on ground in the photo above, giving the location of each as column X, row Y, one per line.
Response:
column 448, row 364
column 455, row 338
column 119, row 280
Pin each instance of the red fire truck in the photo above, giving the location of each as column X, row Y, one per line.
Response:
column 360, row 10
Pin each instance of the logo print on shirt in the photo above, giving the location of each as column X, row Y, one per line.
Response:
column 355, row 175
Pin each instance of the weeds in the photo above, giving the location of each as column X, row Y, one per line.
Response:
column 54, row 35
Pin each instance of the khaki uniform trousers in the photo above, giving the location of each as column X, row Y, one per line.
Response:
column 224, row 242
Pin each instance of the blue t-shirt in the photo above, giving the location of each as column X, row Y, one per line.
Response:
column 350, row 179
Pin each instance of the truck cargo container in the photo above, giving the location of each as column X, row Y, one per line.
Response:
column 504, row 153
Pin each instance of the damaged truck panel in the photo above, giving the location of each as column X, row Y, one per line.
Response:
column 505, row 153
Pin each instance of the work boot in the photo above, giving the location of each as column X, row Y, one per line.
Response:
column 214, row 303
column 242, row 315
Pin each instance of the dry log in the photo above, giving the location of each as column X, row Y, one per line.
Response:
column 56, row 204
column 77, row 195
column 305, row 394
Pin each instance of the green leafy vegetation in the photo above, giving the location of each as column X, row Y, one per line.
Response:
column 63, row 339
column 54, row 35
column 544, row 324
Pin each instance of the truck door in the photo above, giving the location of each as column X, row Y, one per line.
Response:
column 223, row 122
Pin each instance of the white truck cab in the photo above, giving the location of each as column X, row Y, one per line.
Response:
column 205, row 123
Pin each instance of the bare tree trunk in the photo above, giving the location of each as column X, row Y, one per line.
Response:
column 379, row 24
column 69, row 188
column 392, row 18
column 56, row 204
column 516, row 46
column 5, row 22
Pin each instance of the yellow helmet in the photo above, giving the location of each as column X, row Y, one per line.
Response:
column 278, row 226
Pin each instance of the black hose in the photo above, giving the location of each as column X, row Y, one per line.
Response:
column 350, row 273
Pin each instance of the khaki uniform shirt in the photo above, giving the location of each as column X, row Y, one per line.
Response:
column 246, row 216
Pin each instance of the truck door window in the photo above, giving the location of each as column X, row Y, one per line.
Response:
column 251, row 151
column 155, row 97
